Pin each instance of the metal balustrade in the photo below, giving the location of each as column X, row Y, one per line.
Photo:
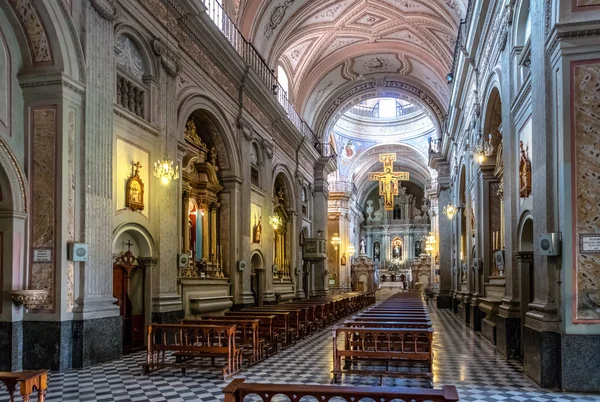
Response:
column 251, row 57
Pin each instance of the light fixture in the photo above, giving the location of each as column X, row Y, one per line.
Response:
column 165, row 171
column 275, row 221
column 450, row 211
column 450, row 78
column 351, row 250
column 336, row 240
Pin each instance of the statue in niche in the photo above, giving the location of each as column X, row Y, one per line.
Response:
column 378, row 215
column 363, row 249
column 376, row 251
column 524, row 172
column 256, row 230
column 397, row 248
column 417, row 248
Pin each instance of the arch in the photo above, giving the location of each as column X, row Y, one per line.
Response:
column 141, row 235
column 13, row 178
column 281, row 172
column 525, row 232
column 151, row 61
column 353, row 93
column 229, row 154
column 256, row 256
column 522, row 17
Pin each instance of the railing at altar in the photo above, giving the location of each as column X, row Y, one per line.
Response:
column 342, row 187
column 326, row 150
column 246, row 50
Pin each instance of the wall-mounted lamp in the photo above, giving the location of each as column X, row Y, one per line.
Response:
column 275, row 221
column 165, row 171
column 450, row 211
column 336, row 241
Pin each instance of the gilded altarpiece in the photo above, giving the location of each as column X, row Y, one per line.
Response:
column 586, row 165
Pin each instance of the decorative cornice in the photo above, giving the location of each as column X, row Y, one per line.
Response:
column 169, row 59
column 551, row 47
column 106, row 9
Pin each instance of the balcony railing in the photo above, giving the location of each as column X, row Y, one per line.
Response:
column 374, row 111
column 343, row 187
column 326, row 150
column 435, row 146
column 246, row 50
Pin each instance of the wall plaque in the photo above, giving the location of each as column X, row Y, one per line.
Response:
column 589, row 243
column 42, row 254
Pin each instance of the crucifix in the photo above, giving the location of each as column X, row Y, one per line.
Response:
column 388, row 180
column 137, row 167
column 129, row 244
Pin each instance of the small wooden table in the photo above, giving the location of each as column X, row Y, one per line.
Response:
column 28, row 380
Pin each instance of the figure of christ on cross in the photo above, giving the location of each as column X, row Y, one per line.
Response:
column 388, row 180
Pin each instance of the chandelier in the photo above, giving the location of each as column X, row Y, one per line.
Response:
column 488, row 147
column 165, row 171
column 450, row 211
column 351, row 250
column 275, row 221
column 336, row 240
column 483, row 148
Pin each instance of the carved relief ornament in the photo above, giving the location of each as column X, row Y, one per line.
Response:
column 106, row 9
column 169, row 59
column 245, row 127
column 268, row 146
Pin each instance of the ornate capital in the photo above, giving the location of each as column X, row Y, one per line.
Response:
column 268, row 146
column 169, row 59
column 245, row 127
column 106, row 9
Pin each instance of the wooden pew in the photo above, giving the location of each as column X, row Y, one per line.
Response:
column 247, row 334
column 28, row 382
column 266, row 329
column 237, row 390
column 295, row 329
column 386, row 324
column 186, row 342
column 382, row 344
column 281, row 324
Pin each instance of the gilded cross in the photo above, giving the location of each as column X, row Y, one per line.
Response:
column 137, row 167
column 388, row 180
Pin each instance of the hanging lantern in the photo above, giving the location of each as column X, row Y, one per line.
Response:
column 450, row 211
column 336, row 240
column 165, row 171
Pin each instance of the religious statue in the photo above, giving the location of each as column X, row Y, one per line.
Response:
column 388, row 180
column 397, row 248
column 524, row 173
column 134, row 197
column 369, row 209
column 256, row 231
column 376, row 251
column 213, row 157
column 363, row 249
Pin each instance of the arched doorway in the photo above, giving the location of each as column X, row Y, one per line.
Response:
column 131, row 284
column 526, row 269
column 257, row 278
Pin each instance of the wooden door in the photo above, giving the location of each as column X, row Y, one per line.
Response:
column 121, row 293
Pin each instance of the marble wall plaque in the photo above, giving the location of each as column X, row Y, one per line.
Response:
column 43, row 203
column 585, row 137
column 42, row 255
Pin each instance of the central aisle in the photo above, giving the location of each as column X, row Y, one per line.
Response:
column 462, row 358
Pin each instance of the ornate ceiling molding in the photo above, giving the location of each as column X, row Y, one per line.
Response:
column 336, row 106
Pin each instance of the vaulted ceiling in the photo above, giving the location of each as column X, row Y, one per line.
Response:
column 334, row 50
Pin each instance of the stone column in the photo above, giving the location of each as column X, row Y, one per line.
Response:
column 320, row 275
column 99, row 328
column 445, row 249
column 268, row 233
column 240, row 217
column 369, row 244
column 166, row 304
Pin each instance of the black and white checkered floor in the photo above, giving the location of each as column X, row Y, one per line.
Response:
column 462, row 358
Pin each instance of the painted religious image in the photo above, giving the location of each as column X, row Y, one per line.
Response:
column 134, row 199
column 349, row 150
column 397, row 248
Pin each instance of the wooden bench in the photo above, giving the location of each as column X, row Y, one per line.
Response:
column 186, row 342
column 237, row 390
column 248, row 335
column 281, row 324
column 386, row 324
column 382, row 344
column 28, row 382
column 266, row 329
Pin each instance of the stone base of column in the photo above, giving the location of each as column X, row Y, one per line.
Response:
column 577, row 372
column 300, row 294
column 542, row 357
column 319, row 292
column 11, row 346
column 464, row 311
column 508, row 337
column 489, row 329
column 443, row 300
column 269, row 298
column 62, row 345
column 476, row 316
column 168, row 317
column 247, row 300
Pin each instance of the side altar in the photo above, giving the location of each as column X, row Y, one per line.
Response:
column 363, row 274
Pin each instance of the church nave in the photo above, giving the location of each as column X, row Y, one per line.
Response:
column 462, row 358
